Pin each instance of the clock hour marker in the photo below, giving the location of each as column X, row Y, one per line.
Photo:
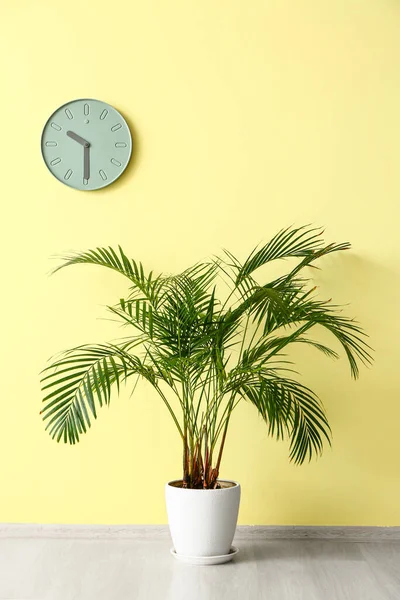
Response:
column 55, row 161
column 103, row 175
column 51, row 144
column 120, row 145
column 56, row 127
column 68, row 174
column 85, row 181
column 115, row 162
column 69, row 113
column 86, row 109
column 104, row 114
column 116, row 127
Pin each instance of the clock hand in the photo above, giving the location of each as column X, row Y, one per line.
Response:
column 86, row 164
column 78, row 139
column 86, row 154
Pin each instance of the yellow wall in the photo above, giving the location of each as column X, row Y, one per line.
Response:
column 248, row 116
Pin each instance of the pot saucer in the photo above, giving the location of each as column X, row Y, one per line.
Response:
column 206, row 560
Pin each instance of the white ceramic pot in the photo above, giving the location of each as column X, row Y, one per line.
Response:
column 202, row 522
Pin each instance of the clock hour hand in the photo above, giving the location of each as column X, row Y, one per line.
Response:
column 78, row 138
column 86, row 164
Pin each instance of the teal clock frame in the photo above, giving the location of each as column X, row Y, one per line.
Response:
column 108, row 144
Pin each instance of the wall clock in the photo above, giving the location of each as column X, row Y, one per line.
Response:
column 86, row 144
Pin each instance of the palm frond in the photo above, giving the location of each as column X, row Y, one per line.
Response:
column 136, row 312
column 297, row 307
column 79, row 383
column 295, row 242
column 346, row 330
column 120, row 263
column 289, row 408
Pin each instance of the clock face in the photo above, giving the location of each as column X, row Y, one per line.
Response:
column 86, row 144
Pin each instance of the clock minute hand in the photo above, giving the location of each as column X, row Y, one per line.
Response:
column 78, row 138
column 86, row 154
column 86, row 164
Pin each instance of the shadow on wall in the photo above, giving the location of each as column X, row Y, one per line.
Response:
column 372, row 404
column 129, row 172
column 364, row 415
column 370, row 292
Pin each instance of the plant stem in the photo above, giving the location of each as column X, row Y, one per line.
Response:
column 170, row 410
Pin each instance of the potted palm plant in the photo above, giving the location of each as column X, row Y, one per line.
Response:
column 207, row 339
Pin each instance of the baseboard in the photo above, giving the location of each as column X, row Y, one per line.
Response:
column 263, row 532
column 314, row 532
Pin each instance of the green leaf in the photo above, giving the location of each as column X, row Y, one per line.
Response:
column 73, row 397
column 290, row 408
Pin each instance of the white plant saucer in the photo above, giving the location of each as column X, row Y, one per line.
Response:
column 206, row 560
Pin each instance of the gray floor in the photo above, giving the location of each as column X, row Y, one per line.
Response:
column 59, row 569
